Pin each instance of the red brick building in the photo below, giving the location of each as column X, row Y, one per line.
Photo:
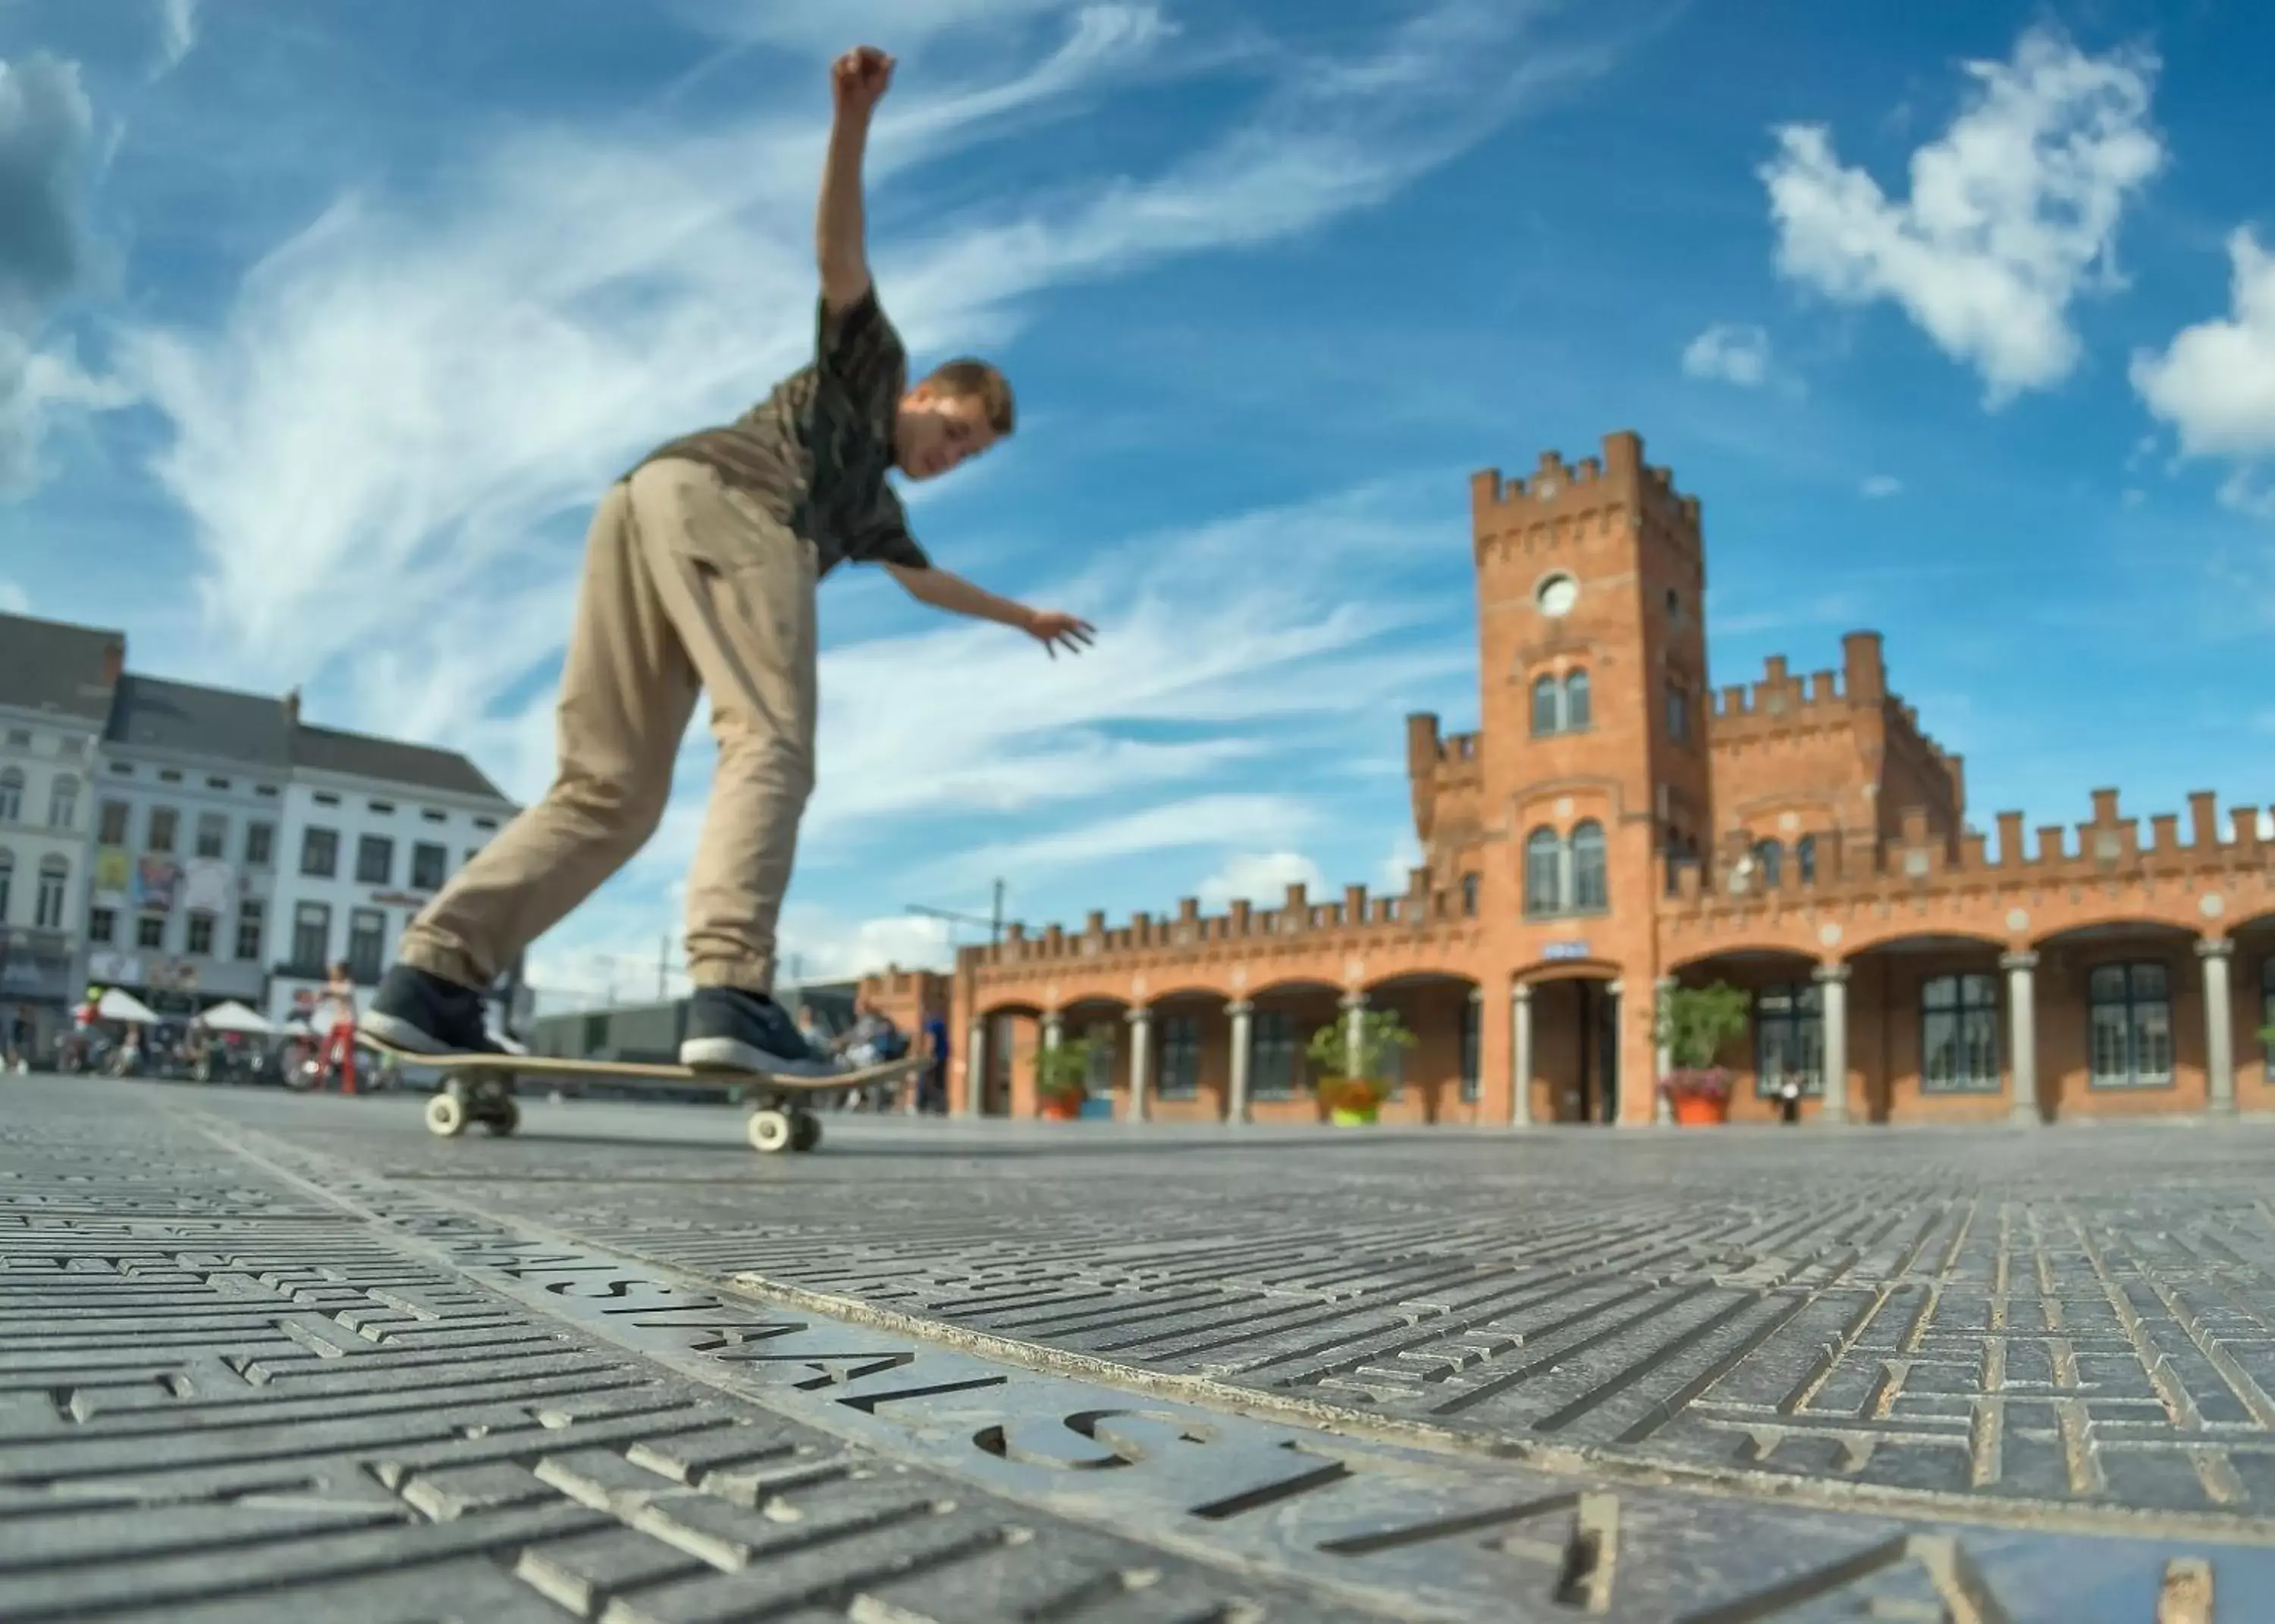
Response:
column 1615, row 825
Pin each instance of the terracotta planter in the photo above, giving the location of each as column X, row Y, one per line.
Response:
column 1698, row 1111
column 1343, row 1117
column 1061, row 1108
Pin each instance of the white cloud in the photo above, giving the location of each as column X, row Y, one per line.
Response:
column 48, row 255
column 14, row 599
column 2215, row 382
column 2013, row 212
column 1731, row 353
column 1260, row 877
column 1879, row 485
column 177, row 33
column 1405, row 855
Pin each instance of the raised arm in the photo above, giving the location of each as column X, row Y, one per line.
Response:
column 1053, row 629
column 857, row 80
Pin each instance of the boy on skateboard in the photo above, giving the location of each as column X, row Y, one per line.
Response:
column 699, row 574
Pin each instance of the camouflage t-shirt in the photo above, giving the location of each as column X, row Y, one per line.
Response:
column 814, row 452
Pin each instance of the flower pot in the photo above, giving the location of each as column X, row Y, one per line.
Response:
column 1345, row 1116
column 1061, row 1108
column 1696, row 1111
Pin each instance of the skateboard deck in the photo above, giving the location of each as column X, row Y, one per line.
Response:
column 478, row 1088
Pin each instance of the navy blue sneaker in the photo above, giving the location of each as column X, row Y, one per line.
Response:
column 424, row 1014
column 730, row 1030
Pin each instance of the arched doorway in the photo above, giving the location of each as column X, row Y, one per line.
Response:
column 1567, row 1042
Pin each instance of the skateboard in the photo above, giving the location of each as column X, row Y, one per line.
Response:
column 478, row 1088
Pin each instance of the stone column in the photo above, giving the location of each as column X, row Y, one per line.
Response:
column 975, row 1064
column 1520, row 1064
column 1141, row 1062
column 2219, row 1026
column 1663, row 1113
column 2023, row 1038
column 1236, row 1102
column 1834, row 979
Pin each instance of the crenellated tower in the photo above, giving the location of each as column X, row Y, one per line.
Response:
column 1592, row 654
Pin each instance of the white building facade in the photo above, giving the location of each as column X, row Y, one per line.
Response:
column 56, row 687
column 372, row 829
column 189, row 802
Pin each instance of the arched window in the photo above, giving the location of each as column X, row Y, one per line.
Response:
column 1576, row 702
column 1769, row 856
column 63, row 803
column 1804, row 859
column 1544, row 872
column 7, row 880
column 47, row 906
column 1589, row 890
column 12, row 795
column 1544, row 705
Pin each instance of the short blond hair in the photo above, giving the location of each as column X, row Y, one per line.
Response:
column 976, row 380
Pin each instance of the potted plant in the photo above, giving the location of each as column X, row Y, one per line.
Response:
column 1349, row 1078
column 1694, row 1023
column 1062, row 1079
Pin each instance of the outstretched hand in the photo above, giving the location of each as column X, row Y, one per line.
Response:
column 858, row 80
column 1055, row 629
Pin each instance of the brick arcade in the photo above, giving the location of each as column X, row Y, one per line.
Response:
column 1615, row 825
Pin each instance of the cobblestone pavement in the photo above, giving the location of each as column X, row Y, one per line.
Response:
column 267, row 1356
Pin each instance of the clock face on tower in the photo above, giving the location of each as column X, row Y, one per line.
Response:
column 1556, row 595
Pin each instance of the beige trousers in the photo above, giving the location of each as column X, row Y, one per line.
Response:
column 688, row 586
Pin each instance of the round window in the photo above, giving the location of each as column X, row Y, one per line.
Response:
column 1557, row 595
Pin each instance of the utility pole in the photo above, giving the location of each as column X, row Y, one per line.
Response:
column 995, row 922
column 664, row 970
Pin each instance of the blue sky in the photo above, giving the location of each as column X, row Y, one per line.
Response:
column 321, row 326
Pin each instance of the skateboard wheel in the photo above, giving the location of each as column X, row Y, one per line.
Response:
column 771, row 1130
column 446, row 1115
column 502, row 1118
column 804, row 1130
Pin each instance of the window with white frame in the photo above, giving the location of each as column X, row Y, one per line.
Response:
column 1566, row 876
column 63, row 803
column 12, row 795
column 1180, row 1075
column 1274, row 1058
column 2131, row 1016
column 1959, row 1035
column 48, row 907
column 1789, row 1038
column 1544, row 873
column 1560, row 704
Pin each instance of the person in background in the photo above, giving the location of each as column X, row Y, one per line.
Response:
column 339, row 1037
column 932, row 1091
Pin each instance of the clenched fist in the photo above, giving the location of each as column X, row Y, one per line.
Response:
column 859, row 80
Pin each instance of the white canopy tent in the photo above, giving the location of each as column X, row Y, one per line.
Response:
column 236, row 1018
column 118, row 1005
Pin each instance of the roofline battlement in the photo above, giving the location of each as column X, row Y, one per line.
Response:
column 1917, row 859
column 1558, row 488
column 1356, row 913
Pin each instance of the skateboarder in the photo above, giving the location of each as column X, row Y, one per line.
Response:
column 699, row 575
